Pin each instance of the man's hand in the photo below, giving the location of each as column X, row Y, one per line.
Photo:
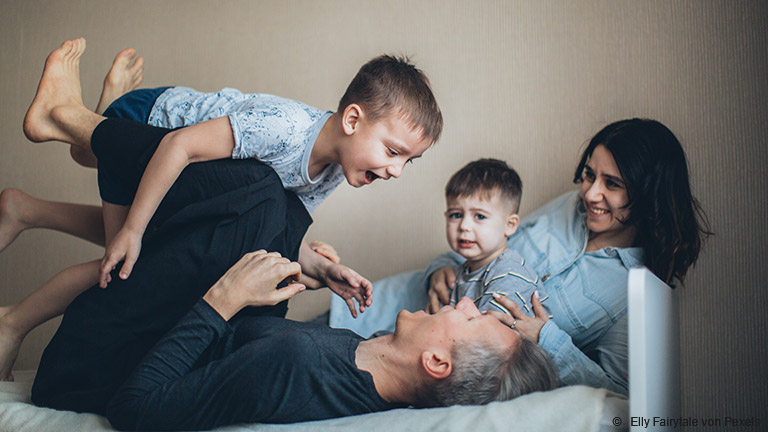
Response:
column 252, row 281
column 440, row 285
column 125, row 246
column 348, row 284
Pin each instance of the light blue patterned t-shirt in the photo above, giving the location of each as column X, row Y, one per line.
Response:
column 277, row 131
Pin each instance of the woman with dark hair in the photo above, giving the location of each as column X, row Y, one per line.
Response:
column 634, row 207
column 667, row 217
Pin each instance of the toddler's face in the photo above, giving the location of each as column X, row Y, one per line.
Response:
column 380, row 149
column 477, row 228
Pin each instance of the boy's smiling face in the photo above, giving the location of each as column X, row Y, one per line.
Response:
column 378, row 149
column 477, row 227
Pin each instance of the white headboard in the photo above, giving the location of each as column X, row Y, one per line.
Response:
column 654, row 352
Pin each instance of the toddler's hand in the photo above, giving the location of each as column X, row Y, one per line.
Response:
column 440, row 285
column 124, row 247
column 325, row 250
column 348, row 284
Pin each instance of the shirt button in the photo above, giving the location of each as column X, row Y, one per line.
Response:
column 609, row 250
column 545, row 277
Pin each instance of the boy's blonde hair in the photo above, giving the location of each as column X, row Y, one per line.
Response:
column 388, row 84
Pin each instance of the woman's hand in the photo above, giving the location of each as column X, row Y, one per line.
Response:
column 440, row 285
column 528, row 326
column 252, row 281
column 325, row 250
column 348, row 284
column 124, row 247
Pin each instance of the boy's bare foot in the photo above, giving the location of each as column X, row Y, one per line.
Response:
column 10, row 342
column 121, row 78
column 59, row 86
column 11, row 223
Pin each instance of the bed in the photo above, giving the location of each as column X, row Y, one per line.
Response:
column 654, row 391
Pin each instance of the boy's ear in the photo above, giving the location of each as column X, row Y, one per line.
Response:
column 512, row 222
column 350, row 118
column 437, row 365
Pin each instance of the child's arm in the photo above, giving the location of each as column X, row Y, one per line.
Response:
column 325, row 250
column 342, row 280
column 205, row 141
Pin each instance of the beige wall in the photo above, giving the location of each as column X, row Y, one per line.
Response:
column 525, row 81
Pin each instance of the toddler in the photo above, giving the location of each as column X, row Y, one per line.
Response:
column 482, row 201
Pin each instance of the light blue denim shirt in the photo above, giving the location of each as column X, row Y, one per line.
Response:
column 587, row 335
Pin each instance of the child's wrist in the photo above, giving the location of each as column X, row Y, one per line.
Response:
column 134, row 228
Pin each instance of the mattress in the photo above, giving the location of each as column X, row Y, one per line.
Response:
column 573, row 408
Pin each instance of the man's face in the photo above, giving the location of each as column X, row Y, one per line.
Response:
column 452, row 325
column 380, row 149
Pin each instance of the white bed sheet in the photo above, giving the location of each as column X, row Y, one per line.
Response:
column 575, row 408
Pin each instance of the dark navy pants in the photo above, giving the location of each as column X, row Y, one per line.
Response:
column 215, row 213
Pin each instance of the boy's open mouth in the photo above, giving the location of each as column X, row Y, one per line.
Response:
column 370, row 177
column 466, row 243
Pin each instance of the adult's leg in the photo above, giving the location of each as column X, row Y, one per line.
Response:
column 19, row 211
column 191, row 376
column 124, row 76
column 57, row 112
column 215, row 212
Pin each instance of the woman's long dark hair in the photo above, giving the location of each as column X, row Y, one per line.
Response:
column 671, row 225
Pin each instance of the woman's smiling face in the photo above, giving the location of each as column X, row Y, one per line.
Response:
column 605, row 198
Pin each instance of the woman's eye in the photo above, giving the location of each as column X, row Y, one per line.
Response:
column 589, row 175
column 613, row 184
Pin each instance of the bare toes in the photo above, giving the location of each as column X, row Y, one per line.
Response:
column 125, row 56
column 67, row 47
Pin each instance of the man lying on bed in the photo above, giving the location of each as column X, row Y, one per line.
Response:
column 212, row 369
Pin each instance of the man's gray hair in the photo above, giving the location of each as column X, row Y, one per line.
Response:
column 484, row 373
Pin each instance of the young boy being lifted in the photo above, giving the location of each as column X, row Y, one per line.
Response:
column 387, row 117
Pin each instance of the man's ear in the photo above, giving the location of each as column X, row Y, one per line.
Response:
column 350, row 118
column 437, row 365
column 512, row 222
